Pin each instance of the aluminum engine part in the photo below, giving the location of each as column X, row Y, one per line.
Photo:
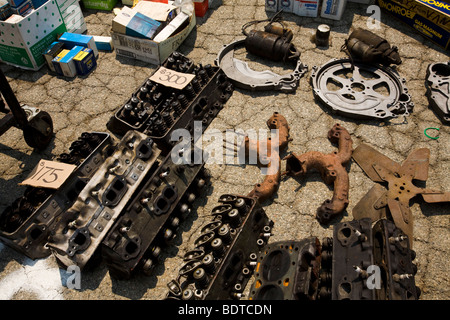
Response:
column 395, row 259
column 332, row 170
column 368, row 47
column 345, row 259
column 365, row 91
column 151, row 219
column 81, row 229
column 266, row 189
column 25, row 225
column 225, row 254
column 393, row 201
column 243, row 76
column 438, row 89
column 158, row 110
column 287, row 270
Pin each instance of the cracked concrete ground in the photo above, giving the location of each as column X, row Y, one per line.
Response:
column 85, row 104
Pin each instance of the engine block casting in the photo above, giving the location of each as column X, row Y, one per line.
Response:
column 332, row 170
column 225, row 253
column 81, row 229
column 151, row 219
column 158, row 110
column 26, row 224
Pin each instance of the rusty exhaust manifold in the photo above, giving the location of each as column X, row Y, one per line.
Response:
column 332, row 169
column 267, row 150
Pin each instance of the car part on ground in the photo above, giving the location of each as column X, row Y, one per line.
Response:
column 151, row 218
column 26, row 224
column 393, row 200
column 267, row 151
column 322, row 36
column 225, row 253
column 360, row 90
column 158, row 110
column 287, row 270
column 79, row 232
column 368, row 47
column 438, row 89
column 332, row 170
column 244, row 77
column 392, row 253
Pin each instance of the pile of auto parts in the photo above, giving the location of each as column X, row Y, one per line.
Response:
column 151, row 218
column 361, row 90
column 332, row 170
column 79, row 232
column 157, row 110
column 392, row 201
column 26, row 224
column 343, row 267
column 225, row 253
column 438, row 89
column 274, row 43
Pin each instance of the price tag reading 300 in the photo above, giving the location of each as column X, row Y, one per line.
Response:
column 170, row 78
column 49, row 174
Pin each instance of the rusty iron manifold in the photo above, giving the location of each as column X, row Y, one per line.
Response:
column 332, row 170
column 265, row 149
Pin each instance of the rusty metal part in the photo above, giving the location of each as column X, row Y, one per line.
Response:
column 368, row 47
column 267, row 150
column 393, row 200
column 332, row 169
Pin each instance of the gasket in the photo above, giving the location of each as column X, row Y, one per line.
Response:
column 365, row 91
column 244, row 77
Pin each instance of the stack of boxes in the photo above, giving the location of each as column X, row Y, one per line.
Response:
column 330, row 9
column 73, row 54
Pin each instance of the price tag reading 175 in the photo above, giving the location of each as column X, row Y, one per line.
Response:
column 171, row 78
column 49, row 174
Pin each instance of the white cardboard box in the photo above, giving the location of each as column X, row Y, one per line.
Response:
column 72, row 15
column 306, row 8
column 148, row 50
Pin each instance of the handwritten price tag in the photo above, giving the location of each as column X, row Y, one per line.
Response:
column 49, row 174
column 170, row 78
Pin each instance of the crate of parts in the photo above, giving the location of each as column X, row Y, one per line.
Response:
column 24, row 39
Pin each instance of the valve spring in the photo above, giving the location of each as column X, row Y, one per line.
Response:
column 167, row 118
column 160, row 126
column 203, row 76
column 81, row 147
column 143, row 92
column 208, row 264
column 235, row 218
column 190, row 92
column 209, row 70
column 218, row 247
column 325, row 277
column 37, row 196
column 225, row 233
column 188, row 294
column 183, row 100
column 327, row 244
column 94, row 140
column 67, row 158
column 134, row 101
column 177, row 107
column 325, row 293
column 170, row 62
column 200, row 277
column 196, row 85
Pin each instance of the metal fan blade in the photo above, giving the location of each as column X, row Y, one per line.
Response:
column 365, row 156
column 403, row 218
column 367, row 208
column 432, row 196
column 417, row 162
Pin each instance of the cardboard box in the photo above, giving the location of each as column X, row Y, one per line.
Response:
column 431, row 18
column 73, row 39
column 148, row 50
column 306, row 8
column 5, row 10
column 200, row 7
column 72, row 15
column 38, row 3
column 286, row 5
column 23, row 8
column 85, row 61
column 103, row 43
column 52, row 51
column 155, row 10
column 272, row 5
column 136, row 24
column 107, row 5
column 24, row 40
column 333, row 9
column 173, row 27
column 16, row 3
column 64, row 63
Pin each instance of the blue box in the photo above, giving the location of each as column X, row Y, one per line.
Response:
column 16, row 3
column 141, row 26
column 52, row 51
column 5, row 10
column 85, row 61
column 38, row 3
column 65, row 63
column 23, row 8
column 74, row 39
